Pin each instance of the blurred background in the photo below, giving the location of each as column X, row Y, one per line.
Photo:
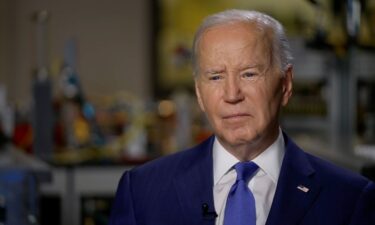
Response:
column 89, row 89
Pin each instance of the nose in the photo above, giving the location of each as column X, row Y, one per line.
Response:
column 232, row 90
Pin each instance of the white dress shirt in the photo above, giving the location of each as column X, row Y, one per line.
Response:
column 263, row 184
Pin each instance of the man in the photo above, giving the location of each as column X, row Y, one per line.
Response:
column 243, row 76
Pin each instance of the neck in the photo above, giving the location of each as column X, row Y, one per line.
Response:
column 250, row 150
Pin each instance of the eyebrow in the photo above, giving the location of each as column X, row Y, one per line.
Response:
column 213, row 71
column 242, row 68
column 251, row 66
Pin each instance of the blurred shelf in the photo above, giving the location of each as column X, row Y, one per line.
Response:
column 12, row 158
column 366, row 151
column 311, row 123
column 72, row 184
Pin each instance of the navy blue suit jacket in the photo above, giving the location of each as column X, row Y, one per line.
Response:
column 173, row 189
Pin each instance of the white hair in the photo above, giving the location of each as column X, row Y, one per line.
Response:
column 280, row 45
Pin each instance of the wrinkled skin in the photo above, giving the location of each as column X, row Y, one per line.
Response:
column 241, row 88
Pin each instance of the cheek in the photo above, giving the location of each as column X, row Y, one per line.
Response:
column 272, row 105
column 264, row 102
column 210, row 97
column 211, row 105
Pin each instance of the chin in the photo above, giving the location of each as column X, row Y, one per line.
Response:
column 240, row 139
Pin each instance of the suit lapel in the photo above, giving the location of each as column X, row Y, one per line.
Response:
column 194, row 185
column 296, row 189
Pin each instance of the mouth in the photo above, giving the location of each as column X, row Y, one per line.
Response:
column 236, row 116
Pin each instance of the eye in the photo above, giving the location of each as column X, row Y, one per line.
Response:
column 215, row 77
column 248, row 74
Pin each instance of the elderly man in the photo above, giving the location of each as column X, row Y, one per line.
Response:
column 249, row 172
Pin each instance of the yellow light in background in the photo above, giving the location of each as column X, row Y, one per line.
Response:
column 166, row 108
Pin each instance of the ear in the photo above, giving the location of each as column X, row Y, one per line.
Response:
column 287, row 85
column 198, row 93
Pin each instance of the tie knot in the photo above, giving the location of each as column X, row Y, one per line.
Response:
column 245, row 170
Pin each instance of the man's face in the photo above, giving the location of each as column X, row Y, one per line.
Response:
column 238, row 87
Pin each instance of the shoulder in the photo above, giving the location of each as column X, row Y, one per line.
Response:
column 347, row 189
column 336, row 176
column 167, row 166
column 331, row 176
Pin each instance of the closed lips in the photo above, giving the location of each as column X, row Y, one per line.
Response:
column 237, row 115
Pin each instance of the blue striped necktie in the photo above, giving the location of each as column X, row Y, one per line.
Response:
column 240, row 207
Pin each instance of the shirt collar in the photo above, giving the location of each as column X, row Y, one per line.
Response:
column 269, row 161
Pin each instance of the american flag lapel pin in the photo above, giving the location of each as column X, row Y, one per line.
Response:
column 303, row 188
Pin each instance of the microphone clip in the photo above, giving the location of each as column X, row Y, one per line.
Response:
column 206, row 213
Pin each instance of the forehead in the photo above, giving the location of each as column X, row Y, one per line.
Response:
column 235, row 38
column 237, row 26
